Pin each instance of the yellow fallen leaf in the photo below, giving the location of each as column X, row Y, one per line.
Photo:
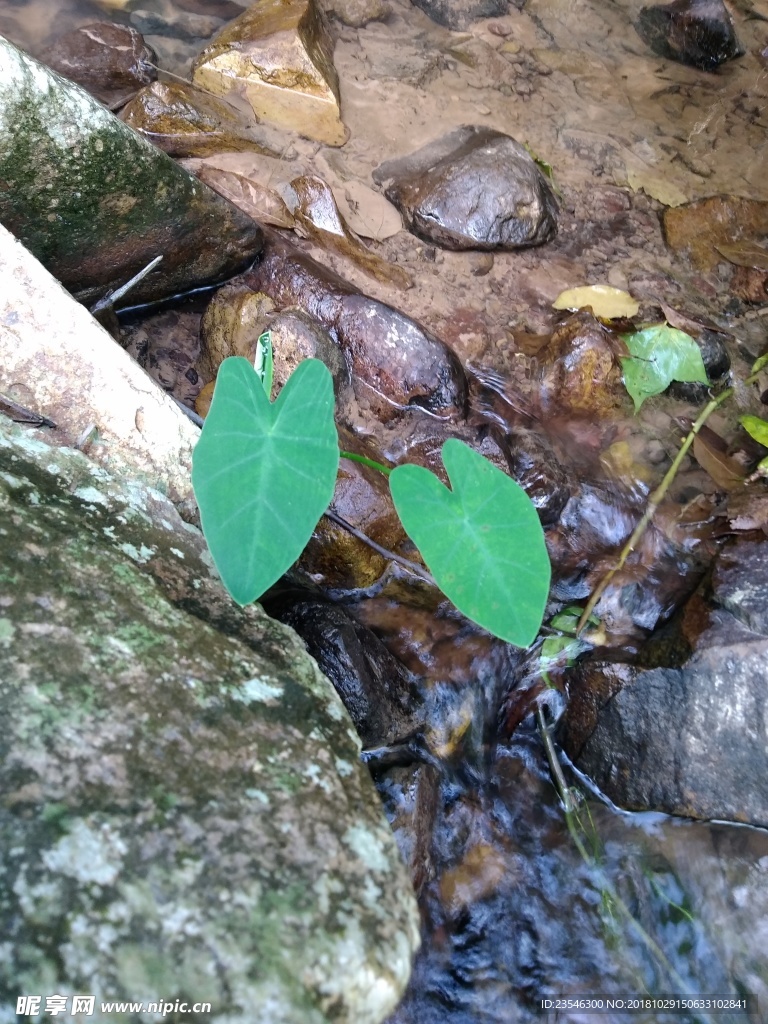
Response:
column 606, row 301
column 665, row 192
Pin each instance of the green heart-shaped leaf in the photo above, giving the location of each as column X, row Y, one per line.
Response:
column 660, row 354
column 263, row 473
column 482, row 541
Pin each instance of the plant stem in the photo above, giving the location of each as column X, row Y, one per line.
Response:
column 570, row 798
column 413, row 567
column 654, row 501
column 371, row 463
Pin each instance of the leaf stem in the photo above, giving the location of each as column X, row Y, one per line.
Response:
column 654, row 501
column 413, row 567
column 371, row 463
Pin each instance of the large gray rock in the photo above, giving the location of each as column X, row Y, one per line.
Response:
column 183, row 813
column 474, row 188
column 96, row 203
column 689, row 740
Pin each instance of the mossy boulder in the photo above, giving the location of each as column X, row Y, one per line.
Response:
column 96, row 203
column 183, row 813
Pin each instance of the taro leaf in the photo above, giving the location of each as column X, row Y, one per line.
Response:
column 756, row 428
column 264, row 473
column 659, row 355
column 482, row 541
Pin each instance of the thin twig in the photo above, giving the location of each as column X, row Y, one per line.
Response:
column 189, row 413
column 21, row 414
column 555, row 769
column 413, row 567
column 112, row 297
column 654, row 501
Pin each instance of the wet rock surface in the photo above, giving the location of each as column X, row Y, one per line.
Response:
column 184, row 121
column 385, row 350
column 182, row 810
column 688, row 740
column 378, row 693
column 235, row 319
column 279, row 55
column 695, row 32
column 98, row 203
column 475, row 188
column 111, row 61
column 458, row 14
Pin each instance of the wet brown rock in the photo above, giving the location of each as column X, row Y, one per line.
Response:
column 279, row 56
column 698, row 229
column 580, row 371
column 388, row 353
column 695, row 32
column 110, row 61
column 183, row 121
column 237, row 316
column 231, row 325
column 474, row 188
column 535, row 466
column 295, row 337
column 334, row 558
column 378, row 693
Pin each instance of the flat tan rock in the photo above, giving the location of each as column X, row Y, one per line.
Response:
column 279, row 55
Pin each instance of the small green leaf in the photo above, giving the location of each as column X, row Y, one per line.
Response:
column 756, row 428
column 482, row 541
column 553, row 648
column 659, row 355
column 264, row 473
column 760, row 363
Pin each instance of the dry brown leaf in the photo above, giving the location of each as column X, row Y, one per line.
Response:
column 367, row 213
column 711, row 453
column 744, row 254
column 317, row 213
column 259, row 202
column 693, row 325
